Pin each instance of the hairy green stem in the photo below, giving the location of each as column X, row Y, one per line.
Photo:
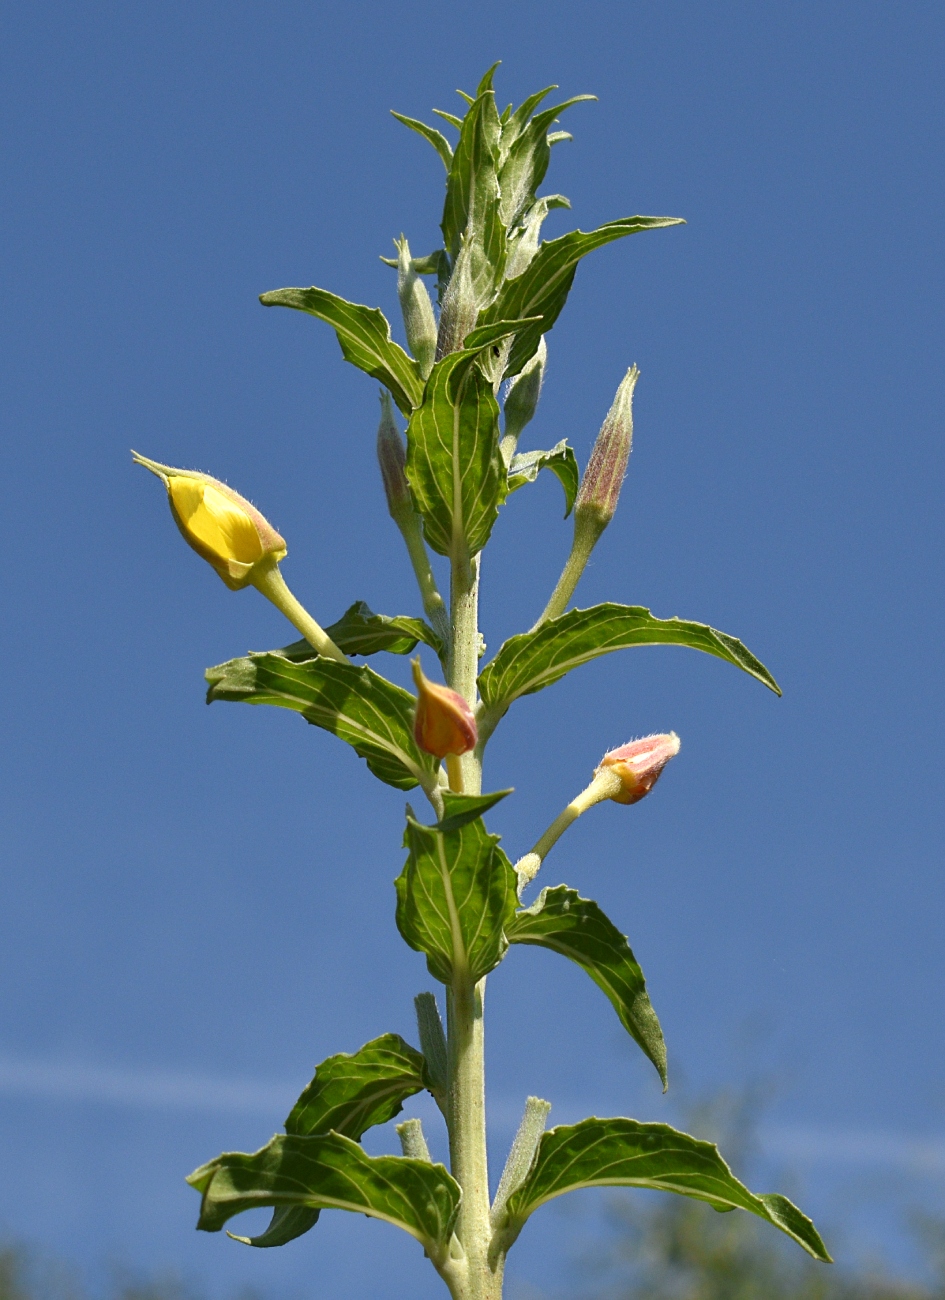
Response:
column 587, row 531
column 433, row 603
column 268, row 579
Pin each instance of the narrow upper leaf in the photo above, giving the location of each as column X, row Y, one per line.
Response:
column 471, row 210
column 455, row 895
column 329, row 1171
column 360, row 631
column 576, row 927
column 431, row 135
column 453, row 462
column 542, row 289
column 532, row 660
column 562, row 462
column 356, row 704
column 623, row 1153
column 364, row 335
column 351, row 1093
column 463, row 808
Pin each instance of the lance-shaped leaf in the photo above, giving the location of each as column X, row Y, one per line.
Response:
column 560, row 919
column 431, row 135
column 471, row 209
column 562, row 462
column 524, row 152
column 360, row 631
column 453, row 462
column 356, row 704
column 329, row 1171
column 349, row 1094
column 364, row 335
column 533, row 660
column 465, row 808
column 542, row 289
column 455, row 896
column 623, row 1153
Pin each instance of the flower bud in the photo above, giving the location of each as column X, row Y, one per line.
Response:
column 220, row 525
column 392, row 459
column 600, row 487
column 521, row 400
column 460, row 309
column 444, row 723
column 638, row 765
column 417, row 309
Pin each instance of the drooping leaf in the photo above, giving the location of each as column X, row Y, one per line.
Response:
column 364, row 335
column 329, row 1171
column 533, row 660
column 349, row 1094
column 623, row 1153
column 542, row 289
column 360, row 631
column 356, row 704
column 465, row 808
column 453, row 462
column 431, row 135
column 560, row 919
column 562, row 462
column 455, row 895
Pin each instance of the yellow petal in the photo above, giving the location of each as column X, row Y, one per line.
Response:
column 214, row 523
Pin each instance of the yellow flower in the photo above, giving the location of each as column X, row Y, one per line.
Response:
column 220, row 525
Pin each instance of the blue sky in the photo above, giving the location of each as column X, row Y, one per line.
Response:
column 198, row 903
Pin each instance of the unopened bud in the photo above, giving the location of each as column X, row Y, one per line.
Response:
column 392, row 459
column 521, row 400
column 638, row 765
column 444, row 723
column 600, row 487
column 460, row 309
column 417, row 309
column 221, row 526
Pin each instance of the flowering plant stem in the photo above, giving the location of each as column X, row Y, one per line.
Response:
column 457, row 897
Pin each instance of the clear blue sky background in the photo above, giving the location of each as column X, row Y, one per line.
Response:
column 198, row 903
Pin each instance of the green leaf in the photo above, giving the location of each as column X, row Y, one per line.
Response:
column 623, row 1153
column 454, row 466
column 525, row 153
column 471, row 210
column 329, row 1171
column 360, row 631
column 364, row 335
column 455, row 895
column 351, row 1093
column 431, row 135
column 465, row 808
column 542, row 289
column 356, row 704
column 563, row 921
column 562, row 462
column 533, row 660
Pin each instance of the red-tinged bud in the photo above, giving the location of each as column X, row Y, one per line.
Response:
column 444, row 724
column 600, row 488
column 638, row 765
column 392, row 458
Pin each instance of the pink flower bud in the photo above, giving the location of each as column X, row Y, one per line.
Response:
column 638, row 765
column 603, row 478
column 444, row 723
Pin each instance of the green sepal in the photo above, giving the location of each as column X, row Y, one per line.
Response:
column 360, row 631
column 624, row 1153
column 463, row 808
column 542, row 289
column 329, row 1171
column 431, row 135
column 353, row 702
column 562, row 462
column 455, row 896
column 561, row 920
column 352, row 1092
column 364, row 335
column 532, row 660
